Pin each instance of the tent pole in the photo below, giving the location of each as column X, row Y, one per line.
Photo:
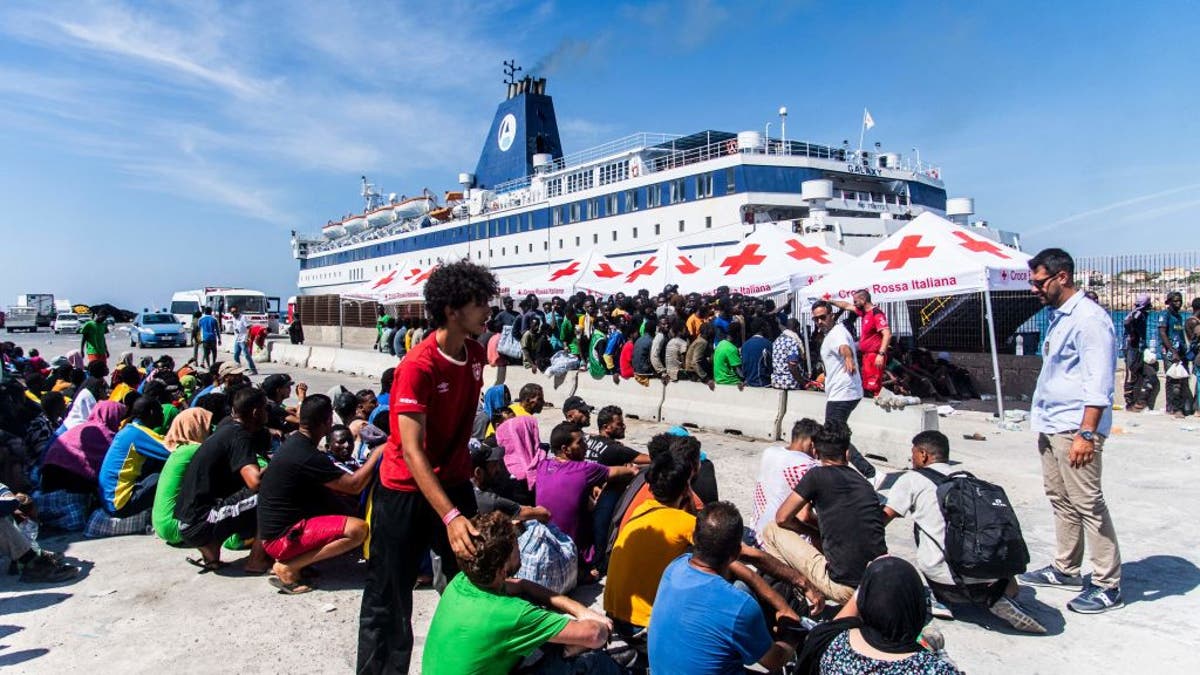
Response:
column 987, row 299
column 341, row 321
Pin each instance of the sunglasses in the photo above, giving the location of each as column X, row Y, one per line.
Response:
column 821, row 317
column 1041, row 283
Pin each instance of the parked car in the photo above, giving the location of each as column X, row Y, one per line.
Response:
column 157, row 329
column 69, row 322
column 21, row 318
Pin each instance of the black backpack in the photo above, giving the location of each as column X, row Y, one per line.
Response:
column 983, row 535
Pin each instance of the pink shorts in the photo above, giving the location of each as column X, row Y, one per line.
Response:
column 307, row 535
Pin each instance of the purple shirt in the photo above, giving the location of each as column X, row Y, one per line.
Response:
column 563, row 488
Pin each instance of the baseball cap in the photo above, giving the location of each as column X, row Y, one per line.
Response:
column 488, row 451
column 273, row 382
column 230, row 368
column 576, row 403
column 678, row 430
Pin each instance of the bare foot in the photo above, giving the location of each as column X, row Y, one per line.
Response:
column 286, row 574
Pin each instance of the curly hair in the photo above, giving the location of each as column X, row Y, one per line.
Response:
column 457, row 285
column 493, row 547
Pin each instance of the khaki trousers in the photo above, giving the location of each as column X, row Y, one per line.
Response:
column 1079, row 510
column 803, row 557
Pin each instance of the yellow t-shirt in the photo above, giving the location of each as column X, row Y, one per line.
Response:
column 654, row 536
column 693, row 324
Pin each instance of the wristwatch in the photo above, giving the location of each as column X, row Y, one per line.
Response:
column 1089, row 436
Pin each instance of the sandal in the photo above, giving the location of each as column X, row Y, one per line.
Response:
column 206, row 566
column 294, row 588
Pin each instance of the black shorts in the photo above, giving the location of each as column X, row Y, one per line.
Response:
column 235, row 514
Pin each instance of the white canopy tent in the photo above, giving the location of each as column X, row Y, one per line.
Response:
column 926, row 258
column 667, row 265
column 381, row 288
column 563, row 280
column 769, row 262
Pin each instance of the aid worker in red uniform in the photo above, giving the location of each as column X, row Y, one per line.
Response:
column 874, row 339
column 424, row 498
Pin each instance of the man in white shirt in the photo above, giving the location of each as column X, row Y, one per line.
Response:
column 241, row 326
column 843, row 382
column 914, row 495
column 780, row 469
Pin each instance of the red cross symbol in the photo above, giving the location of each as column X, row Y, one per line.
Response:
column 605, row 271
column 424, row 275
column 749, row 256
column 1004, row 274
column 801, row 252
column 827, row 295
column 645, row 270
column 686, row 266
column 385, row 281
column 412, row 273
column 908, row 249
column 979, row 245
column 566, row 271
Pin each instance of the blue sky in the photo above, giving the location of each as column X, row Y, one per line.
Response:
column 151, row 147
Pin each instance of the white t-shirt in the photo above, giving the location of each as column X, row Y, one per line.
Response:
column 778, row 473
column 915, row 496
column 840, row 385
column 240, row 326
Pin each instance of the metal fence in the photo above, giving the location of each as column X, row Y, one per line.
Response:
column 958, row 323
column 324, row 310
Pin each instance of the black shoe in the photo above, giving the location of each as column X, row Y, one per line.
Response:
column 43, row 570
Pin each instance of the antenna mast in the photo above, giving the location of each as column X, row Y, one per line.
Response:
column 510, row 71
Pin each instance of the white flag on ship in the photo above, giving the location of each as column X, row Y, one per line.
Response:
column 868, row 121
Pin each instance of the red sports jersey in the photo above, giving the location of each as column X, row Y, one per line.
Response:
column 447, row 392
column 870, row 330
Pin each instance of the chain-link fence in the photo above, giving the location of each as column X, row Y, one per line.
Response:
column 323, row 310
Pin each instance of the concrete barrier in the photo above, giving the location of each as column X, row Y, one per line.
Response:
column 636, row 401
column 290, row 355
column 557, row 389
column 876, row 431
column 753, row 412
column 366, row 364
column 322, row 358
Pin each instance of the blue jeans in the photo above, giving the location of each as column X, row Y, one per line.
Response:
column 240, row 348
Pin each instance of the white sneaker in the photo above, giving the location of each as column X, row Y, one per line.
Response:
column 1016, row 616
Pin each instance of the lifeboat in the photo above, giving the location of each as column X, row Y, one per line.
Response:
column 443, row 214
column 380, row 216
column 333, row 230
column 414, row 207
column 355, row 224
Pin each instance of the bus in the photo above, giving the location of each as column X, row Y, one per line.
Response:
column 254, row 305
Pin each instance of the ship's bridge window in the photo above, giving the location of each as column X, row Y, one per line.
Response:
column 554, row 187
column 654, row 196
column 631, row 200
column 616, row 171
column 575, row 209
column 730, row 180
column 593, row 208
column 704, row 185
column 555, row 217
column 611, row 208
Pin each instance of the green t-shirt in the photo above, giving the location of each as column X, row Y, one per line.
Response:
column 725, row 359
column 170, row 481
column 93, row 338
column 595, row 366
column 477, row 631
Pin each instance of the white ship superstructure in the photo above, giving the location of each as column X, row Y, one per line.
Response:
column 527, row 205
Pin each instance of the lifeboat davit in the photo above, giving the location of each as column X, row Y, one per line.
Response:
column 414, row 207
column 380, row 216
column 355, row 224
column 333, row 230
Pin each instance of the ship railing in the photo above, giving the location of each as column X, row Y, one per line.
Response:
column 638, row 141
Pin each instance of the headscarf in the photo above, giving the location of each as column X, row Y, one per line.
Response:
column 170, row 412
column 894, row 605
column 522, row 447
column 82, row 448
column 190, row 426
column 81, row 409
column 188, row 382
column 495, row 398
column 75, row 359
column 126, row 359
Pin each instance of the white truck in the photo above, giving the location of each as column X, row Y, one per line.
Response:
column 21, row 317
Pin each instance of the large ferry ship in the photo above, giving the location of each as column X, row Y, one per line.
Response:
column 528, row 205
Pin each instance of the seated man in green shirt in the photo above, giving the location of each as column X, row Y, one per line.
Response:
column 727, row 363
column 487, row 622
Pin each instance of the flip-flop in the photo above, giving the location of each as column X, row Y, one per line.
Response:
column 294, row 588
column 205, row 566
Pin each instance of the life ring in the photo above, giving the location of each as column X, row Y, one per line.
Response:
column 731, row 147
column 635, row 170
